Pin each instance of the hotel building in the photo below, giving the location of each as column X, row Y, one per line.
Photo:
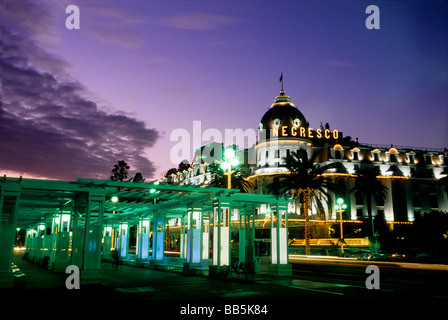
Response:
column 83, row 222
column 410, row 174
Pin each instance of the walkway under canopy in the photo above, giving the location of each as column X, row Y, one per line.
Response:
column 81, row 222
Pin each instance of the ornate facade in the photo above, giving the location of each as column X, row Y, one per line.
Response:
column 411, row 175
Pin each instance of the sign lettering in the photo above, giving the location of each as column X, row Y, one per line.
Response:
column 285, row 131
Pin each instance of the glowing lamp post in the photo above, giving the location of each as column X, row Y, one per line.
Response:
column 340, row 207
column 114, row 200
column 228, row 162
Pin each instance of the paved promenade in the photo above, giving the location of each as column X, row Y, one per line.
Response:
column 131, row 286
column 129, row 282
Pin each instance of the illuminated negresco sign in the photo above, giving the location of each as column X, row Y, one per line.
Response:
column 302, row 132
column 188, row 141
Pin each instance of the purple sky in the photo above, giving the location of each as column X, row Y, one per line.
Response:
column 76, row 101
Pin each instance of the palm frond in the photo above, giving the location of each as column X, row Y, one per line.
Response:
column 238, row 179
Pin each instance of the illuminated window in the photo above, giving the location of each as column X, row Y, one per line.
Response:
column 376, row 155
column 393, row 155
column 359, row 212
column 428, row 158
column 296, row 123
column 355, row 154
column 411, row 157
column 338, row 151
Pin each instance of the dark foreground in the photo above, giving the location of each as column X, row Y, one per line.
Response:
column 319, row 288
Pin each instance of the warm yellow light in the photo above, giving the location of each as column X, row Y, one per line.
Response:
column 338, row 147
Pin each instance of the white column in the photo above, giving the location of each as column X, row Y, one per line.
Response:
column 60, row 241
column 183, row 238
column 194, row 235
column 123, row 239
column 242, row 235
column 78, row 233
column 205, row 236
column 221, row 233
column 388, row 202
column 54, row 230
column 143, row 239
column 216, row 236
column 352, row 199
column 442, row 198
column 93, row 231
column 9, row 204
column 87, row 242
column 279, row 240
column 30, row 243
column 409, row 202
column 46, row 241
column 107, row 242
column 158, row 242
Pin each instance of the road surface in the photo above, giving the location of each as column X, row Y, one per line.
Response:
column 396, row 279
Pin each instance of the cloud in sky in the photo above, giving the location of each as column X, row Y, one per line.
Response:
column 32, row 18
column 122, row 38
column 42, row 20
column 339, row 64
column 111, row 25
column 50, row 127
column 195, row 21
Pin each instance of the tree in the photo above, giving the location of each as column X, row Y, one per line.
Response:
column 430, row 235
column 138, row 178
column 238, row 178
column 120, row 171
column 306, row 179
column 184, row 165
column 170, row 172
column 368, row 186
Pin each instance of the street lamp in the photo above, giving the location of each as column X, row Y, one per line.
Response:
column 340, row 207
column 228, row 162
column 17, row 237
column 114, row 199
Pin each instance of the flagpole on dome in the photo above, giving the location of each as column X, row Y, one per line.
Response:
column 281, row 80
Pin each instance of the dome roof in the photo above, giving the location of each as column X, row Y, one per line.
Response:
column 283, row 118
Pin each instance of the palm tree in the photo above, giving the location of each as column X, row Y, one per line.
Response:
column 120, row 171
column 238, row 178
column 368, row 186
column 306, row 178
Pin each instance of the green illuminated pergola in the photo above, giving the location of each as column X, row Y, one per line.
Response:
column 59, row 215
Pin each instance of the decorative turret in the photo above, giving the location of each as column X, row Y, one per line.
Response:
column 282, row 120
